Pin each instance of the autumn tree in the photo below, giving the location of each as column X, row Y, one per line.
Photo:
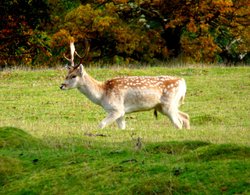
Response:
column 125, row 30
column 207, row 30
column 21, row 31
column 114, row 30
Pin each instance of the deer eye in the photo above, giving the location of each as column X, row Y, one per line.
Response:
column 74, row 76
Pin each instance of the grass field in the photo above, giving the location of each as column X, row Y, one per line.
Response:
column 50, row 142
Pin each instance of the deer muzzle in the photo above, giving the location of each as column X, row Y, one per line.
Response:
column 63, row 86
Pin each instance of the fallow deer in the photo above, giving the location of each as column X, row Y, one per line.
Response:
column 127, row 94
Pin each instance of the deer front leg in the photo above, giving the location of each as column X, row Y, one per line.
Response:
column 112, row 116
column 185, row 119
column 121, row 122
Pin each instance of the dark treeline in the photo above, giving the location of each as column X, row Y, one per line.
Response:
column 38, row 32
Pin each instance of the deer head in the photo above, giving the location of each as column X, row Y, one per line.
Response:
column 75, row 72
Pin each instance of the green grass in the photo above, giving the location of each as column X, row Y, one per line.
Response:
column 50, row 142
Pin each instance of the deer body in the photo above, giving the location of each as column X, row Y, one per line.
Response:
column 122, row 95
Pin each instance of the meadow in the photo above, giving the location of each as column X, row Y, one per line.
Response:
column 50, row 142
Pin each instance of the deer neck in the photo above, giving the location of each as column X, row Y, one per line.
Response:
column 91, row 88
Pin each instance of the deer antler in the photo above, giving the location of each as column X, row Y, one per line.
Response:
column 87, row 48
column 73, row 51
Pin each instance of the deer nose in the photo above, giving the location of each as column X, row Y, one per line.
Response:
column 62, row 86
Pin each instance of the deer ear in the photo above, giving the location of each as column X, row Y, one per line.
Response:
column 81, row 70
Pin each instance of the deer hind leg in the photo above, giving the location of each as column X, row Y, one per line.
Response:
column 112, row 116
column 185, row 119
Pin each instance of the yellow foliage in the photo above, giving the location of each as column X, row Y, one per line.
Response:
column 103, row 23
column 191, row 27
column 110, row 8
column 61, row 38
column 201, row 49
column 120, row 1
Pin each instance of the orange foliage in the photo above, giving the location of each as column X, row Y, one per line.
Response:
column 206, row 20
column 140, row 29
column 202, row 49
column 62, row 38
